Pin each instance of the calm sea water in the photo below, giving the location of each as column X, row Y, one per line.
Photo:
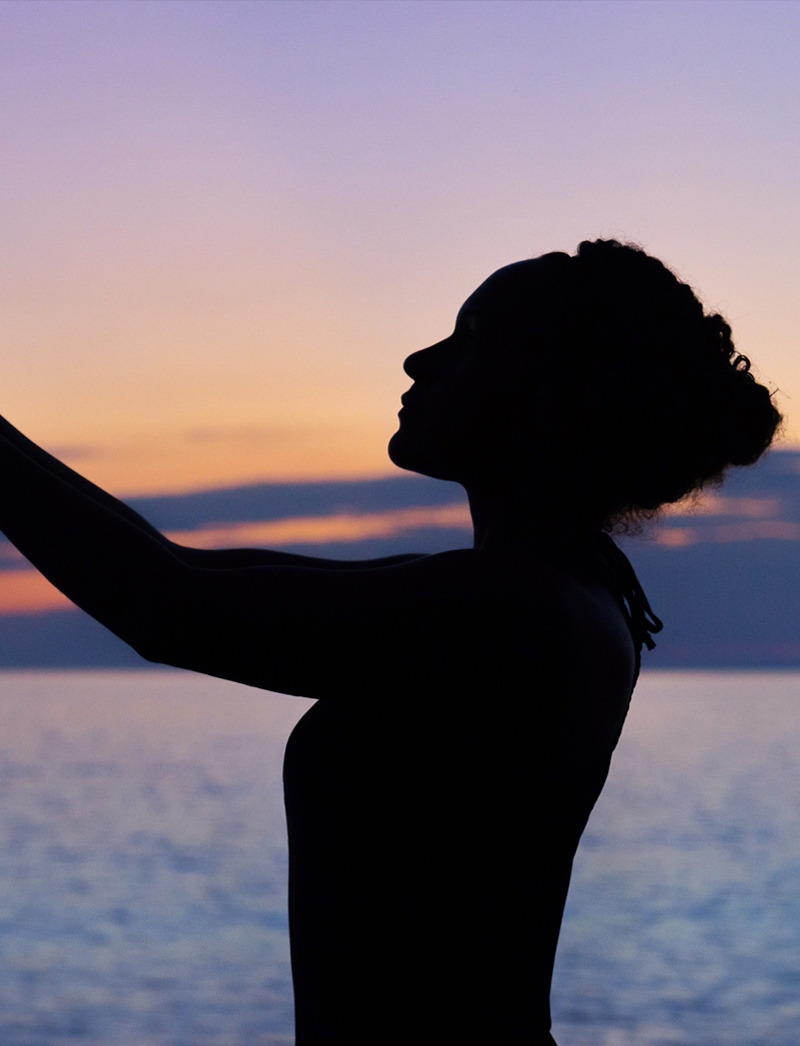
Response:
column 143, row 866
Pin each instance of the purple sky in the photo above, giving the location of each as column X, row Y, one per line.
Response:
column 226, row 223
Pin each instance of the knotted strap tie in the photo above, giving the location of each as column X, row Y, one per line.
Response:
column 638, row 613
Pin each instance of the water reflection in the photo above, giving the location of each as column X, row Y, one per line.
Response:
column 143, row 866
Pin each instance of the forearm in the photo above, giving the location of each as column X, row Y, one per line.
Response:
column 107, row 565
column 207, row 559
column 73, row 479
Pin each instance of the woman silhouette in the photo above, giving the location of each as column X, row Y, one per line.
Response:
column 469, row 702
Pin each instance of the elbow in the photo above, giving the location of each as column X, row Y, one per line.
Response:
column 166, row 656
column 161, row 619
column 146, row 646
column 149, row 653
column 157, row 650
column 162, row 646
column 149, row 638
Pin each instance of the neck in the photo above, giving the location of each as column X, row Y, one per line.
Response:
column 507, row 522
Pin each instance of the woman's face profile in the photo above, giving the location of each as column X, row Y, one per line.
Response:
column 460, row 383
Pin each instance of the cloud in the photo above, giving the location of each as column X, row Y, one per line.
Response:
column 715, row 505
column 29, row 592
column 320, row 530
column 266, row 435
column 763, row 530
column 75, row 452
column 10, row 557
column 369, row 516
column 24, row 590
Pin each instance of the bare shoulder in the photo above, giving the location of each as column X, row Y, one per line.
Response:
column 455, row 615
column 567, row 619
column 551, row 600
column 531, row 580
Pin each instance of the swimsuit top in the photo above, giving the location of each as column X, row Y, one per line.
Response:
column 638, row 613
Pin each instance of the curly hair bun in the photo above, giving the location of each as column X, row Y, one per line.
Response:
column 748, row 418
column 661, row 401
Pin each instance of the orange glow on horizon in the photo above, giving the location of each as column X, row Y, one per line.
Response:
column 716, row 505
column 317, row 530
column 206, row 459
column 765, row 530
column 28, row 592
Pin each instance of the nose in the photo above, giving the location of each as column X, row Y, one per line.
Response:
column 424, row 365
column 414, row 364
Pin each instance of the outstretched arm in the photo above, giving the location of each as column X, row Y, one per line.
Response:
column 206, row 558
column 297, row 629
column 73, row 479
column 82, row 540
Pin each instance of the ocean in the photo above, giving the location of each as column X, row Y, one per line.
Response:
column 143, row 866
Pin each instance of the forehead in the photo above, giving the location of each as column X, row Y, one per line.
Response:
column 505, row 296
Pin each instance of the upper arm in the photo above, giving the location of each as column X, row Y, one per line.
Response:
column 226, row 558
column 314, row 631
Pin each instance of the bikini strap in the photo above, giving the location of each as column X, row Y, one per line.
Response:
column 638, row 613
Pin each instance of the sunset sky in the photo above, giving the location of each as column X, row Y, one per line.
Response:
column 226, row 223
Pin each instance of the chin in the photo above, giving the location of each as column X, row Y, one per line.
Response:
column 400, row 453
column 414, row 456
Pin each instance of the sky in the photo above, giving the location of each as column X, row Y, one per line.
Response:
column 225, row 224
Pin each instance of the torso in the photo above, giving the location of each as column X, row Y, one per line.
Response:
column 432, row 833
